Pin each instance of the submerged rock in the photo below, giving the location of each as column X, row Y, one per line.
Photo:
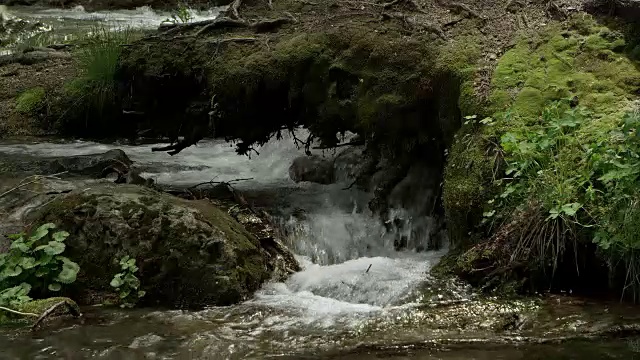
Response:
column 190, row 254
column 313, row 168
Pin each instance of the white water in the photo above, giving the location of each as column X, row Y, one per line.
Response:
column 351, row 278
column 141, row 18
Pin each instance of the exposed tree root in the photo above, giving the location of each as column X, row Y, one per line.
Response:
column 72, row 310
column 32, row 179
column 229, row 23
column 416, row 24
column 17, row 312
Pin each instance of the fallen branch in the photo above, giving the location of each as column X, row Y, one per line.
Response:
column 18, row 312
column 36, row 178
column 53, row 308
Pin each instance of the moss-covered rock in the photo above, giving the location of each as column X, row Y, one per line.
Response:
column 190, row 254
column 399, row 92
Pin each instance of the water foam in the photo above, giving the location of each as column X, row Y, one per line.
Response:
column 142, row 17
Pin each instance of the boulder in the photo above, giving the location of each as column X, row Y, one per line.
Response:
column 91, row 165
column 190, row 254
column 313, row 168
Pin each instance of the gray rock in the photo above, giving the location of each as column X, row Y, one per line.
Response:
column 313, row 168
column 91, row 166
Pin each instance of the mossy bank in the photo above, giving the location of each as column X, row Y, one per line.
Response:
column 542, row 186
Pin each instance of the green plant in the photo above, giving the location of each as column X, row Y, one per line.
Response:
column 180, row 16
column 36, row 261
column 90, row 101
column 30, row 100
column 15, row 296
column 127, row 283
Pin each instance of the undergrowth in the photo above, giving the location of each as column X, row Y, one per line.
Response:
column 34, row 264
column 566, row 149
column 91, row 100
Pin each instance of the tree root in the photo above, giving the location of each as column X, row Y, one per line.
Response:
column 235, row 9
column 416, row 24
column 35, row 178
column 229, row 23
column 412, row 3
column 17, row 312
column 72, row 309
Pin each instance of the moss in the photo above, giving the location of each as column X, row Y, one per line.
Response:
column 42, row 305
column 580, row 60
column 30, row 100
column 467, row 184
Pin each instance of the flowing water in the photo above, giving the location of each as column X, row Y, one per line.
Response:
column 36, row 26
column 356, row 297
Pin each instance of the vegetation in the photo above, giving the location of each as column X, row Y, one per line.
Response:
column 91, row 101
column 35, row 264
column 31, row 101
column 126, row 283
column 557, row 163
column 181, row 15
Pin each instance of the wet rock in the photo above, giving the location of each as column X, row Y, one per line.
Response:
column 313, row 168
column 90, row 166
column 351, row 163
column 190, row 253
column 33, row 57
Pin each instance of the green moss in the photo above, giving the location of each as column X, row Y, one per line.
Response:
column 467, row 184
column 30, row 100
column 579, row 63
column 42, row 305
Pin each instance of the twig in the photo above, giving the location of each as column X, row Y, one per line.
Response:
column 53, row 308
column 368, row 269
column 36, row 179
column 211, row 182
column 352, row 184
column 351, row 143
column 18, row 312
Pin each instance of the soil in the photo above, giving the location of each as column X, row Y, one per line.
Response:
column 17, row 78
column 496, row 20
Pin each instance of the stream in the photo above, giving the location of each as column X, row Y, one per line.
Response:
column 356, row 297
